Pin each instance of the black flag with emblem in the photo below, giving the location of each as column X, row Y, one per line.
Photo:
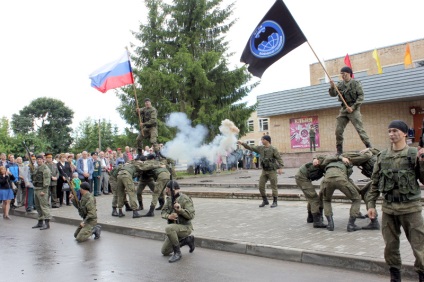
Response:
column 276, row 35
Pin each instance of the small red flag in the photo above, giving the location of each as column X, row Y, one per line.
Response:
column 347, row 63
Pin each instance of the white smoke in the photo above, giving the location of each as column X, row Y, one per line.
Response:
column 189, row 144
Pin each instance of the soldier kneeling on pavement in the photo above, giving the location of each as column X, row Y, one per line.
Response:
column 88, row 211
column 179, row 211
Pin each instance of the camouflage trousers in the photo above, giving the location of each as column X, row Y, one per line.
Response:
column 272, row 177
column 356, row 119
column 412, row 224
column 347, row 187
column 160, row 185
column 150, row 134
column 84, row 233
column 174, row 233
column 125, row 185
column 314, row 201
column 141, row 185
column 42, row 203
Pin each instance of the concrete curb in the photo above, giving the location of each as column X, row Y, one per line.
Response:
column 273, row 252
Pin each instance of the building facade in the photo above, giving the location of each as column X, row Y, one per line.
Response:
column 398, row 93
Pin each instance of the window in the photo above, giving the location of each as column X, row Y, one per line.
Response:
column 263, row 124
column 334, row 78
column 250, row 126
column 250, row 142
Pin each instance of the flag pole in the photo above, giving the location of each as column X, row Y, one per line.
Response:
column 135, row 94
column 338, row 92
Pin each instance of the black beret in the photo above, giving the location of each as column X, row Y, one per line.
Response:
column 85, row 186
column 40, row 157
column 94, row 153
column 151, row 156
column 173, row 183
column 398, row 124
column 267, row 138
column 147, row 100
column 346, row 69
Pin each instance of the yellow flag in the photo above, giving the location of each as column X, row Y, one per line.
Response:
column 408, row 58
column 377, row 60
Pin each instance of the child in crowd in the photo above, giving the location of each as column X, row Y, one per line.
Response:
column 77, row 184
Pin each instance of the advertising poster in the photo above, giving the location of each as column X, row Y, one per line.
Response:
column 299, row 132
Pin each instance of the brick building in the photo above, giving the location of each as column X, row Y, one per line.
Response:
column 398, row 93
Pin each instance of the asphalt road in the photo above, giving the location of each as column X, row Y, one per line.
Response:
column 53, row 255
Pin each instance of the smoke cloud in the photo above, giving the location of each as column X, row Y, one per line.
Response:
column 189, row 143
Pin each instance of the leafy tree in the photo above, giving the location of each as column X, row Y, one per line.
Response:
column 181, row 64
column 13, row 144
column 48, row 120
column 86, row 136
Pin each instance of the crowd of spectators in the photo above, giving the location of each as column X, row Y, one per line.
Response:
column 16, row 188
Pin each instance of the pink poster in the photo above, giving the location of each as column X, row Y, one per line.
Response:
column 299, row 132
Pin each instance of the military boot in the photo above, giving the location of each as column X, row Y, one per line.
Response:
column 395, row 275
column 321, row 212
column 39, row 224
column 318, row 221
column 351, row 226
column 121, row 214
column 373, row 225
column 189, row 240
column 264, row 202
column 114, row 212
column 127, row 207
column 136, row 214
column 330, row 226
column 140, row 205
column 161, row 203
column 421, row 276
column 150, row 212
column 46, row 224
column 274, row 203
column 96, row 231
column 310, row 217
column 339, row 149
column 177, row 254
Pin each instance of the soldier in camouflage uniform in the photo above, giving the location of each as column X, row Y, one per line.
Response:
column 125, row 184
column 41, row 178
column 179, row 215
column 161, row 176
column 337, row 172
column 113, row 181
column 271, row 162
column 145, row 178
column 88, row 211
column 395, row 176
column 353, row 94
column 306, row 174
column 365, row 161
column 149, row 129
column 53, row 183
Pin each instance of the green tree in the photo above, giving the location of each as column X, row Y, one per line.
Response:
column 181, row 64
column 48, row 120
column 86, row 136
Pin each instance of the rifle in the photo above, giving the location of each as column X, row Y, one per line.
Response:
column 71, row 186
column 28, row 154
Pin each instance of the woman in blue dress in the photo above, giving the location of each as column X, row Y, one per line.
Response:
column 6, row 192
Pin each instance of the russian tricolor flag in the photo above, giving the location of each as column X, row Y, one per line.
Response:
column 113, row 75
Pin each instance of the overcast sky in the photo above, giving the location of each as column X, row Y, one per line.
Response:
column 49, row 48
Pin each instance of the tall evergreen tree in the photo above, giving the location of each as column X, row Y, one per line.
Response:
column 181, row 64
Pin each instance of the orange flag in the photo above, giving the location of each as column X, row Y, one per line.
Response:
column 408, row 58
